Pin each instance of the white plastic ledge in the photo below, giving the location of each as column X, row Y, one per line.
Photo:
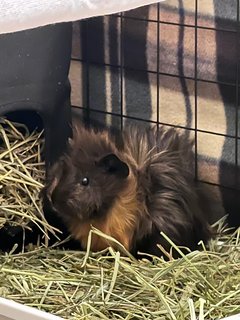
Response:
column 236, row 317
column 17, row 15
column 10, row 310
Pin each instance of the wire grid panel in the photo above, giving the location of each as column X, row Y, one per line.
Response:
column 174, row 63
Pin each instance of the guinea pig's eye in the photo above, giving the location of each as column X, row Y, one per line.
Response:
column 85, row 181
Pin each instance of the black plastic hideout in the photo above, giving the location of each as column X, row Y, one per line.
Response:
column 34, row 67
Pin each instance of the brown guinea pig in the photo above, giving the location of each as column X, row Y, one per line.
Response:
column 131, row 186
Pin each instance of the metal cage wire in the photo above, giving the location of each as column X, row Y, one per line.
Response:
column 121, row 67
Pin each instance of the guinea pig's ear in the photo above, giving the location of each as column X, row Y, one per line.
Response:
column 112, row 164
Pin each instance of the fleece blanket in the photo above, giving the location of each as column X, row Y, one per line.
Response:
column 161, row 62
column 17, row 15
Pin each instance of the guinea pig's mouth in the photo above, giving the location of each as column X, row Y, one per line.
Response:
column 94, row 214
column 68, row 206
column 85, row 214
column 82, row 212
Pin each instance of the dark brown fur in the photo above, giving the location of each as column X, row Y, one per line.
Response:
column 137, row 188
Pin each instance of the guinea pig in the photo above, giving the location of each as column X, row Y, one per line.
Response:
column 130, row 185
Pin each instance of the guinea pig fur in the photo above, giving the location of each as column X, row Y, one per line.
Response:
column 131, row 186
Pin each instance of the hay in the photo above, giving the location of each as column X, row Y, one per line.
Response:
column 21, row 177
column 107, row 285
column 110, row 284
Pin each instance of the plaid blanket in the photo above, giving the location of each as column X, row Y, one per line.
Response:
column 172, row 72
